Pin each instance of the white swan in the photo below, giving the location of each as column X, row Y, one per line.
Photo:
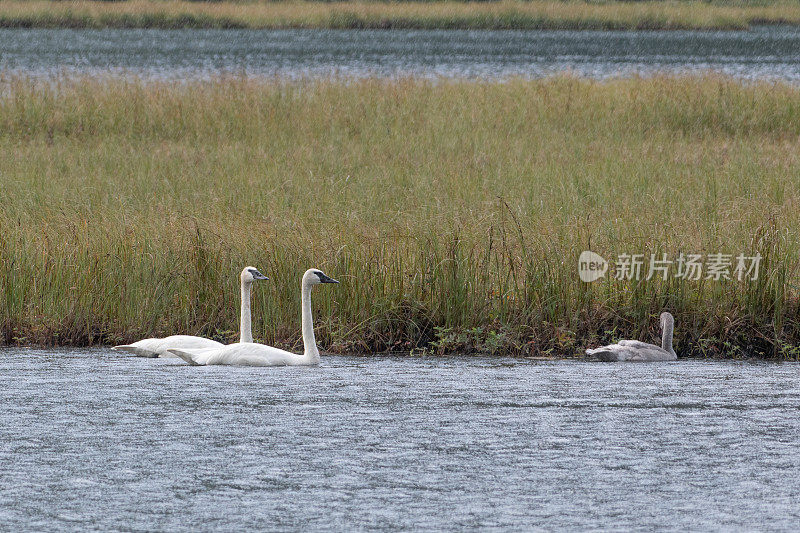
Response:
column 158, row 347
column 253, row 354
column 641, row 351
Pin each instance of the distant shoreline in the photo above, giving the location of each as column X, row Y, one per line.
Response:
column 446, row 14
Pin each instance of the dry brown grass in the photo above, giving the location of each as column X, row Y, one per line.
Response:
column 445, row 14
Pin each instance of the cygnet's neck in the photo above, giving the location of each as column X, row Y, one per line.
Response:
column 666, row 334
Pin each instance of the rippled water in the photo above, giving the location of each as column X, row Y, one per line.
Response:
column 94, row 440
column 764, row 52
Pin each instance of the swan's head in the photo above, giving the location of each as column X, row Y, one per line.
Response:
column 666, row 318
column 250, row 274
column 315, row 277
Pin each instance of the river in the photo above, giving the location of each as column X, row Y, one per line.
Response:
column 769, row 52
column 90, row 439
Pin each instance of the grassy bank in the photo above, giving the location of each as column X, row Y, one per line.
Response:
column 503, row 14
column 453, row 213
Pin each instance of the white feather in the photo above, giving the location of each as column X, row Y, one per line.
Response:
column 254, row 354
column 160, row 347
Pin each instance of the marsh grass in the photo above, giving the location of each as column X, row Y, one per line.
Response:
column 453, row 212
column 502, row 14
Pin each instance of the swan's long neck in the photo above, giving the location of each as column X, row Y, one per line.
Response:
column 245, row 331
column 666, row 334
column 309, row 341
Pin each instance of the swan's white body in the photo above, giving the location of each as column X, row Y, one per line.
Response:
column 253, row 354
column 160, row 347
column 637, row 351
column 246, row 354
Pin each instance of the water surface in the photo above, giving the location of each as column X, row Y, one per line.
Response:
column 94, row 440
column 764, row 52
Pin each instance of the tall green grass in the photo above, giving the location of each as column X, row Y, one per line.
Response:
column 453, row 212
column 447, row 14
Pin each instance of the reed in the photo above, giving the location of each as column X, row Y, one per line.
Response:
column 446, row 14
column 453, row 212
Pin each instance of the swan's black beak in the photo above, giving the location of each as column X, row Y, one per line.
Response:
column 257, row 275
column 325, row 279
